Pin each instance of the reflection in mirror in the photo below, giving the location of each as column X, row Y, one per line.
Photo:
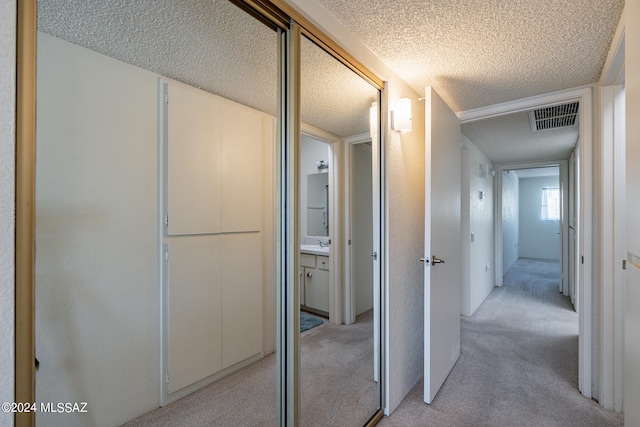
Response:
column 147, row 290
column 340, row 357
column 318, row 204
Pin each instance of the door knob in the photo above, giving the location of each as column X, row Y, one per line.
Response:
column 435, row 260
column 309, row 275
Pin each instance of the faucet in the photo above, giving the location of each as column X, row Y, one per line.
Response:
column 323, row 244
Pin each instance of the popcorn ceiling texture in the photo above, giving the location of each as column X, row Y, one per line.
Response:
column 482, row 52
column 214, row 46
column 189, row 41
column 509, row 138
column 333, row 97
column 7, row 185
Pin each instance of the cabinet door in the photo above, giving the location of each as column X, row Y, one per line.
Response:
column 241, row 297
column 241, row 149
column 316, row 289
column 195, row 315
column 193, row 162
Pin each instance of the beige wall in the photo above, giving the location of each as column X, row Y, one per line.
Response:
column 7, row 206
column 97, row 304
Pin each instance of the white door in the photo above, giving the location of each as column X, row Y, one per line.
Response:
column 632, row 232
column 442, row 265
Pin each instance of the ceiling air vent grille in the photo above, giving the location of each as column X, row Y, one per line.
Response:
column 558, row 116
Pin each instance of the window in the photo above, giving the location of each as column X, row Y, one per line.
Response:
column 550, row 207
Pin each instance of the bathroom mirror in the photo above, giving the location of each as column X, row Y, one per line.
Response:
column 318, row 204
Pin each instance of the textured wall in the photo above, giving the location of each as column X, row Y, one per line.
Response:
column 481, row 253
column 97, row 330
column 510, row 219
column 538, row 238
column 405, row 193
column 7, row 186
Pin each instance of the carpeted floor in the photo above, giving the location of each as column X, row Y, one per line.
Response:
column 518, row 363
column 518, row 367
column 336, row 382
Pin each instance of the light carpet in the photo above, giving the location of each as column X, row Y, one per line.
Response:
column 518, row 363
column 336, row 381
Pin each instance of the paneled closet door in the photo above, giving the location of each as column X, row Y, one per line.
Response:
column 193, row 161
column 241, row 168
column 195, row 309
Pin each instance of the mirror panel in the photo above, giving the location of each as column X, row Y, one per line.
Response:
column 318, row 204
column 144, row 234
column 340, row 357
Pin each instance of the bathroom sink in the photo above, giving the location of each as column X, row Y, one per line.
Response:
column 314, row 249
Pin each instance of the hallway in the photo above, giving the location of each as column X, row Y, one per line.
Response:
column 518, row 363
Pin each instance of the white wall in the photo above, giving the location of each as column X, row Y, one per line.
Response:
column 97, row 289
column 477, row 221
column 538, row 238
column 311, row 151
column 510, row 219
column 7, row 206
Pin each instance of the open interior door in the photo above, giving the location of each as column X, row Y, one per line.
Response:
column 442, row 259
column 631, row 363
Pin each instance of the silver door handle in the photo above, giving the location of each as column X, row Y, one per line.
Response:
column 435, row 260
column 309, row 275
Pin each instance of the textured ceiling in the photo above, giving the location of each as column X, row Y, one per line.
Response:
column 509, row 139
column 482, row 52
column 214, row 46
column 473, row 52
column 189, row 41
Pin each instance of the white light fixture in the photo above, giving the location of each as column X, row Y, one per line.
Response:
column 373, row 120
column 401, row 115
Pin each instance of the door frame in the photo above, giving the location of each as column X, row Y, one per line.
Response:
column 613, row 247
column 584, row 95
column 564, row 220
column 335, row 226
column 349, row 288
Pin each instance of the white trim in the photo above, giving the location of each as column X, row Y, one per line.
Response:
column 564, row 253
column 336, row 290
column 585, row 231
column 523, row 104
column 612, row 211
column 585, row 222
column 349, row 289
column 619, row 250
column 613, row 70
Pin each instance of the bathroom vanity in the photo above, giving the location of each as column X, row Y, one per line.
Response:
column 314, row 281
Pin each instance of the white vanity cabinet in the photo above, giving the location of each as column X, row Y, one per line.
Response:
column 314, row 294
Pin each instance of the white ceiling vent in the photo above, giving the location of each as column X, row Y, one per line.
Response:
column 558, row 116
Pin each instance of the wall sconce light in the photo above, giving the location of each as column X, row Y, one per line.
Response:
column 401, row 115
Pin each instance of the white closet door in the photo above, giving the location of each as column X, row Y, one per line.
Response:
column 193, row 162
column 195, row 315
column 242, row 297
column 241, row 152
